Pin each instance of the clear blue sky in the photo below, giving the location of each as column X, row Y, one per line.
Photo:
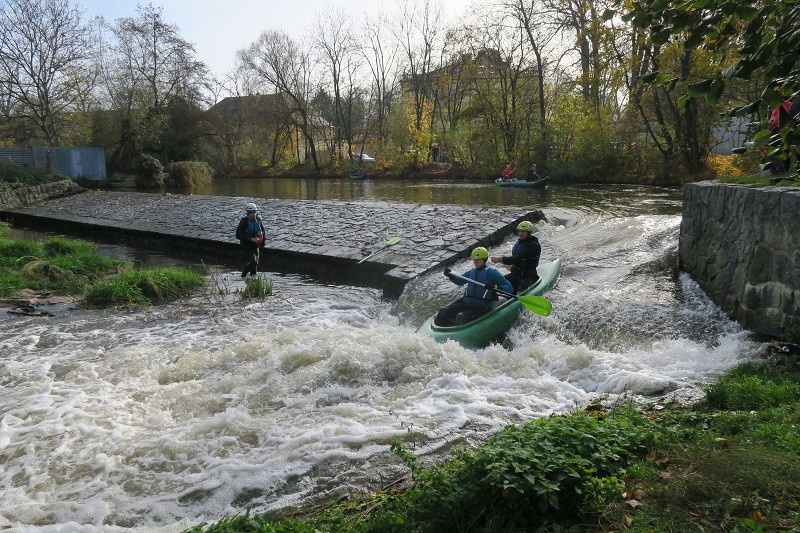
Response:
column 219, row 28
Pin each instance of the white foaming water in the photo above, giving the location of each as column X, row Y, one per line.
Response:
column 159, row 418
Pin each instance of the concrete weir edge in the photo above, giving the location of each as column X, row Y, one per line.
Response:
column 323, row 239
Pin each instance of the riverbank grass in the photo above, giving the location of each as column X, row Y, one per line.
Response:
column 730, row 463
column 143, row 287
column 54, row 265
column 72, row 266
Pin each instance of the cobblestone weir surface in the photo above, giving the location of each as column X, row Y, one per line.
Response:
column 335, row 233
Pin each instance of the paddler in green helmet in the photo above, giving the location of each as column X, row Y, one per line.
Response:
column 524, row 257
column 477, row 300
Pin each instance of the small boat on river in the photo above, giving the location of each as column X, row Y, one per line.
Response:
column 487, row 327
column 541, row 182
column 358, row 174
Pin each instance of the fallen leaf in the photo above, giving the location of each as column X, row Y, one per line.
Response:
column 725, row 443
column 627, row 521
column 634, row 493
column 665, row 475
column 698, row 514
column 661, row 461
column 633, row 504
column 651, row 456
column 781, row 507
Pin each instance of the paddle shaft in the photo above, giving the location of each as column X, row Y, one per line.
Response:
column 391, row 242
column 537, row 304
column 479, row 284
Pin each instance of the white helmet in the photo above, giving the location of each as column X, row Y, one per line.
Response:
column 251, row 208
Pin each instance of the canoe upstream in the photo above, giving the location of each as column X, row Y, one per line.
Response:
column 521, row 183
column 486, row 328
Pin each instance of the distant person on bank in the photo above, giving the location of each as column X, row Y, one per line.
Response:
column 250, row 233
column 524, row 257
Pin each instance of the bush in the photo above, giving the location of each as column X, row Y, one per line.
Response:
column 531, row 474
column 190, row 174
column 150, row 172
column 16, row 177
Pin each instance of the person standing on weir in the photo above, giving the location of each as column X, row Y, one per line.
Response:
column 250, row 233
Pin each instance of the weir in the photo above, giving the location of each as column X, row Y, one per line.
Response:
column 325, row 239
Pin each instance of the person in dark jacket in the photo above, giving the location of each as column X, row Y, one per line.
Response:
column 532, row 174
column 477, row 300
column 250, row 233
column 524, row 258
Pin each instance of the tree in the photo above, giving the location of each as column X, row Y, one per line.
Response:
column 149, row 69
column 527, row 13
column 417, row 29
column 767, row 37
column 381, row 54
column 281, row 63
column 333, row 37
column 46, row 63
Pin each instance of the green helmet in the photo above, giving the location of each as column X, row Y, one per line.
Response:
column 526, row 226
column 480, row 253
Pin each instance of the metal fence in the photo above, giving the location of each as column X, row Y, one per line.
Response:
column 83, row 162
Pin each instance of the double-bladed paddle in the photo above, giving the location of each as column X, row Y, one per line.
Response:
column 537, row 304
column 390, row 242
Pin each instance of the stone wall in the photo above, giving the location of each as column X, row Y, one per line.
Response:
column 31, row 195
column 742, row 245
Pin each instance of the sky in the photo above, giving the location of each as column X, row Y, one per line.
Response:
column 218, row 28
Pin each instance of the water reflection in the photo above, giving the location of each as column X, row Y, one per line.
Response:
column 617, row 200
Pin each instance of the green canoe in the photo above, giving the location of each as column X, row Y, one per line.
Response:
column 541, row 182
column 484, row 329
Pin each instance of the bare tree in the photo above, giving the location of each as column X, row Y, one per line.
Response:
column 283, row 64
column 417, row 29
column 527, row 13
column 333, row 37
column 150, row 71
column 46, row 62
column 381, row 54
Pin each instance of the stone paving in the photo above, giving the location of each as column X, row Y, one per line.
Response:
column 328, row 235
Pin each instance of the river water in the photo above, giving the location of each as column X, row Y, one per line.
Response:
column 156, row 419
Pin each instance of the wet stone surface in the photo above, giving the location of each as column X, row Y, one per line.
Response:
column 302, row 235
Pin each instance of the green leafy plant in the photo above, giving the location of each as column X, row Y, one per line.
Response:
column 150, row 172
column 257, row 287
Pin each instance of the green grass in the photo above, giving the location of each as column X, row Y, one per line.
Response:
column 143, row 287
column 730, row 463
column 74, row 266
column 760, row 180
column 55, row 265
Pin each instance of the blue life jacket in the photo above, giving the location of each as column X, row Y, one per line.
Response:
column 475, row 291
column 253, row 228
